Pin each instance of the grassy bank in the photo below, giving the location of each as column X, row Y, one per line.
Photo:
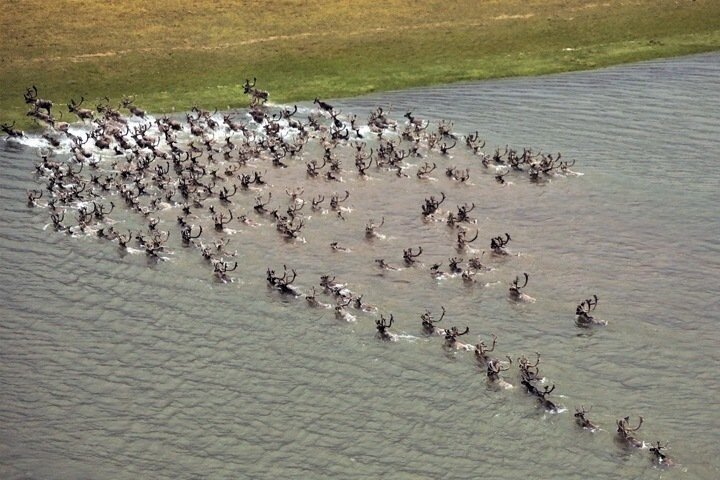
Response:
column 173, row 55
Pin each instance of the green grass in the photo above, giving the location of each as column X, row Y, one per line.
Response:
column 172, row 56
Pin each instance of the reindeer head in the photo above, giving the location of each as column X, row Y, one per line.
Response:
column 428, row 322
column 515, row 287
column 382, row 325
column 625, row 433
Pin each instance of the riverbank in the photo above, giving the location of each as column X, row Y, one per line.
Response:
column 172, row 56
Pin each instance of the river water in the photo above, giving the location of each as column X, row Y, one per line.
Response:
column 115, row 365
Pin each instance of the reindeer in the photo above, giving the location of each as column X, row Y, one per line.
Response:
column 323, row 105
column 123, row 241
column 187, row 235
column 282, row 283
column 459, row 175
column 425, row 170
column 384, row 265
column 219, row 220
column 335, row 200
column 378, row 121
column 294, row 209
column 10, row 131
column 481, row 351
column 108, row 112
column 410, row 257
column 582, row 420
column 336, row 247
column 260, row 207
column 582, row 312
column 128, row 103
column 494, row 368
column 221, row 269
column 329, row 284
column 314, row 302
column 360, row 162
column 463, row 211
column 101, row 212
column 529, row 372
column 57, row 219
column 295, row 195
column 428, row 323
column 659, row 457
column 371, row 229
column 31, row 98
column 497, row 245
column 542, row 398
column 473, row 142
column 156, row 243
column 500, row 177
column 416, row 124
column 316, row 203
column 82, row 113
column 451, row 338
column 33, row 196
column 341, row 304
column 225, row 194
column 468, row 276
column 258, row 97
column 462, row 241
column 42, row 118
column 382, row 326
column 313, row 170
column 290, row 230
column 454, row 264
column 514, row 290
column 445, row 129
column 233, row 125
column 564, row 167
column 624, row 432
column 444, row 148
column 432, row 205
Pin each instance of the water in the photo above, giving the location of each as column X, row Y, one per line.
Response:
column 117, row 366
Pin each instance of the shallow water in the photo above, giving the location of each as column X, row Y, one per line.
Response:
column 117, row 366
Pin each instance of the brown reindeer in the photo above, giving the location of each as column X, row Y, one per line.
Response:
column 659, row 457
column 582, row 420
column 10, row 131
column 31, row 98
column 625, row 433
column 258, row 97
column 82, row 113
column 382, row 326
column 428, row 323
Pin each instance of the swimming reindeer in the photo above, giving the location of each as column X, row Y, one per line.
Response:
column 497, row 244
column 371, row 229
column 410, row 257
column 582, row 313
column 494, row 368
column 481, row 351
column 625, row 433
column 659, row 457
column 382, row 326
column 515, row 292
column 582, row 420
column 451, row 339
column 428, row 323
column 283, row 284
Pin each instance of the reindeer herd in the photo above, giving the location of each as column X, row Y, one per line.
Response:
column 205, row 169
